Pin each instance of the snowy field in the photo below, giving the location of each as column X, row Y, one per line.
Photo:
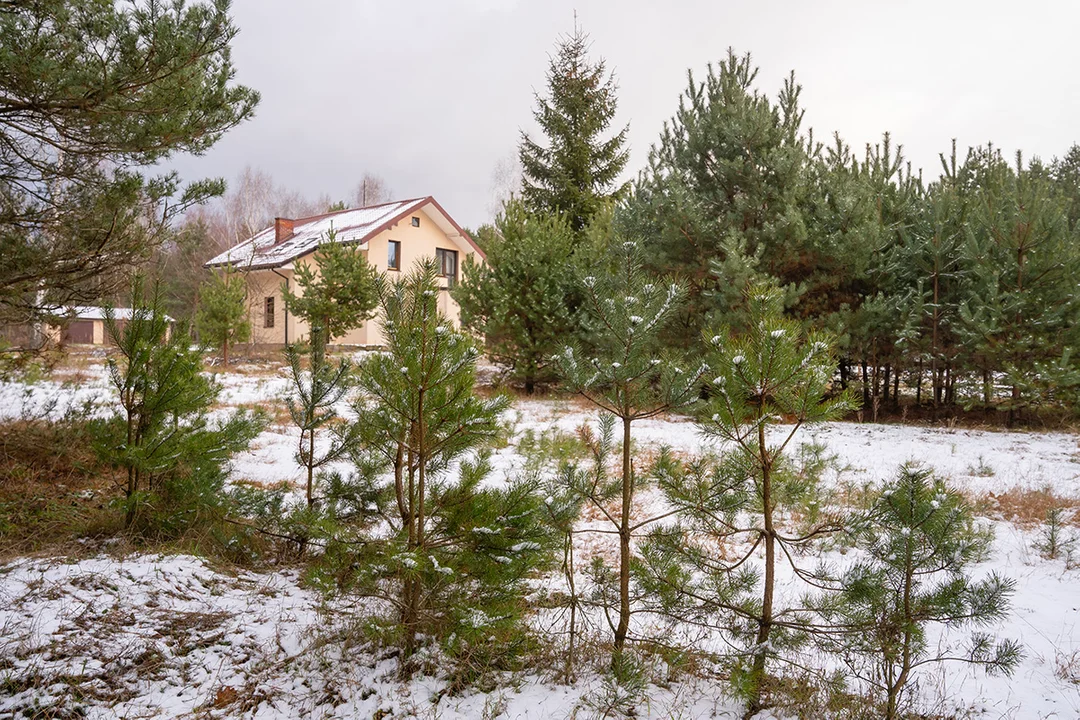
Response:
column 170, row 636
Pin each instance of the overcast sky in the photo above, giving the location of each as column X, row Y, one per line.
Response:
column 432, row 94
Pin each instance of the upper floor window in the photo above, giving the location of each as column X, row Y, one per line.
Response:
column 393, row 255
column 448, row 267
column 268, row 312
column 416, row 222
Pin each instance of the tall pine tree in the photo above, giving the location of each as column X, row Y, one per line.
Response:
column 723, row 201
column 1023, row 261
column 575, row 174
column 95, row 96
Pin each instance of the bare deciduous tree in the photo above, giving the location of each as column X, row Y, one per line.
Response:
column 372, row 190
column 505, row 182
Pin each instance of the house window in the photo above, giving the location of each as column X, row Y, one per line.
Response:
column 416, row 222
column 268, row 313
column 447, row 260
column 393, row 256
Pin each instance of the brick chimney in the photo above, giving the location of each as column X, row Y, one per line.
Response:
column 283, row 229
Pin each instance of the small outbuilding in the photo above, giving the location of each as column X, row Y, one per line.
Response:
column 87, row 326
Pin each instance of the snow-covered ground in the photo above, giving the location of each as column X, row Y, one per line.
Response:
column 165, row 636
column 150, row 636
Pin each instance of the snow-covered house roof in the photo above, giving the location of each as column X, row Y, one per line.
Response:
column 288, row 240
column 88, row 312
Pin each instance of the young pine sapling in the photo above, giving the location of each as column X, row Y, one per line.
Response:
column 313, row 407
column 767, row 384
column 338, row 292
column 163, row 436
column 222, row 318
column 918, row 543
column 622, row 371
column 453, row 554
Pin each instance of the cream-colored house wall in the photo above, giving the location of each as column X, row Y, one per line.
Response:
column 416, row 243
column 261, row 285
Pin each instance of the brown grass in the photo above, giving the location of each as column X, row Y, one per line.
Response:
column 277, row 411
column 1067, row 666
column 250, row 368
column 53, row 489
column 1024, row 507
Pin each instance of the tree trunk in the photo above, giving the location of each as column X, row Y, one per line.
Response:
column 132, row 488
column 896, row 688
column 568, row 570
column 934, row 378
column 886, row 383
column 918, row 385
column 765, row 622
column 950, row 386
column 1013, row 406
column 408, row 595
column 876, row 389
column 624, row 541
column 132, row 476
column 399, row 483
column 865, row 386
column 311, row 469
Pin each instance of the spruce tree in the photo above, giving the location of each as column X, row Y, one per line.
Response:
column 338, row 291
column 222, row 319
column 771, row 372
column 453, row 554
column 575, row 174
column 916, row 547
column 622, row 371
column 174, row 454
column 521, row 299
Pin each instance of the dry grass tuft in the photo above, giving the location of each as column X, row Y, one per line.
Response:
column 276, row 410
column 53, row 487
column 1067, row 666
column 1024, row 507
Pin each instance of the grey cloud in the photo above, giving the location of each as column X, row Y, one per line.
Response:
column 432, row 95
